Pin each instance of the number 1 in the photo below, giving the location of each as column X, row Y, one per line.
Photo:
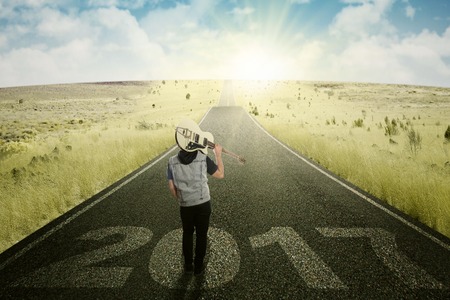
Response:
column 307, row 263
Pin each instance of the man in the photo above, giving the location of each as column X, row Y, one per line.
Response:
column 188, row 182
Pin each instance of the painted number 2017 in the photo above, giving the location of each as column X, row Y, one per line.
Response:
column 165, row 265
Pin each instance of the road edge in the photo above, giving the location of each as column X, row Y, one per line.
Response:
column 29, row 242
column 357, row 191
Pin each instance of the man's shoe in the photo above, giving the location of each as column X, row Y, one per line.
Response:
column 199, row 270
column 188, row 269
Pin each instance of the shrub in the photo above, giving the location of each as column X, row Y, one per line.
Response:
column 188, row 96
column 391, row 127
column 10, row 148
column 447, row 133
column 415, row 141
column 358, row 123
column 144, row 125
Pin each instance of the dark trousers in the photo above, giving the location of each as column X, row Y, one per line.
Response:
column 195, row 218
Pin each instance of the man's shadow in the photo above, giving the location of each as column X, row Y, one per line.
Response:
column 190, row 286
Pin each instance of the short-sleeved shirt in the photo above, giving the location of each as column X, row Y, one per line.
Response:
column 187, row 157
column 189, row 172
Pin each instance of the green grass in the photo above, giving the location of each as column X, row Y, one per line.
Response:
column 348, row 128
column 83, row 138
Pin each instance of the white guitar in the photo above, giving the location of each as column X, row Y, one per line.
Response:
column 191, row 138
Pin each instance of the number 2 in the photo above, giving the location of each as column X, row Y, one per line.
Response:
column 76, row 271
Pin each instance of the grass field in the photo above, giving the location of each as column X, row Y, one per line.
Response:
column 387, row 139
column 61, row 144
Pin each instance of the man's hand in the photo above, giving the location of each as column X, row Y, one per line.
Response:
column 173, row 189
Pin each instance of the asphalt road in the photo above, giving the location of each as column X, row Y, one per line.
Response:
column 281, row 227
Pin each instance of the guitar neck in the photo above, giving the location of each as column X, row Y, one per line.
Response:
column 211, row 145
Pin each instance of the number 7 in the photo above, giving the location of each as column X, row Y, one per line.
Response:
column 308, row 264
column 384, row 246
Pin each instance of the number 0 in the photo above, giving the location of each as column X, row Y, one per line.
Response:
column 166, row 262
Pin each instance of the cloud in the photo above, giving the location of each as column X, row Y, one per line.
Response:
column 363, row 44
column 362, row 18
column 97, row 44
column 54, row 24
column 299, row 1
column 237, row 11
column 417, row 59
column 410, row 11
column 41, row 43
column 427, row 54
column 128, row 4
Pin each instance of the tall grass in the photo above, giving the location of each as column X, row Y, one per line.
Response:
column 417, row 190
column 45, row 176
column 405, row 163
column 48, row 188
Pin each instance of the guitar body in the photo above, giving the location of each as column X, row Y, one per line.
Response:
column 191, row 138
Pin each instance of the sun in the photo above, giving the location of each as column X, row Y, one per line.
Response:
column 257, row 63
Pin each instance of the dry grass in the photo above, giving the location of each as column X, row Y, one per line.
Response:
column 61, row 144
column 345, row 127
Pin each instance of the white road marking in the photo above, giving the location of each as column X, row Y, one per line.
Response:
column 86, row 208
column 371, row 201
column 308, row 264
column 384, row 245
column 80, row 270
column 223, row 261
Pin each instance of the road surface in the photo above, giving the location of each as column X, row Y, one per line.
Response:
column 281, row 227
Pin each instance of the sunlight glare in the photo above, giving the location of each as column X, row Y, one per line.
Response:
column 255, row 63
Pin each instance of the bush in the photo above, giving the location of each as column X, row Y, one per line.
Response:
column 358, row 123
column 144, row 125
column 188, row 96
column 391, row 128
column 9, row 148
column 447, row 133
column 415, row 141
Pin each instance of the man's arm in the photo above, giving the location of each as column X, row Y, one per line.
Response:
column 220, row 173
column 173, row 189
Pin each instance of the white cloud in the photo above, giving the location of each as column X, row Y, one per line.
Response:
column 163, row 25
column 101, row 44
column 418, row 59
column 299, row 1
column 129, row 4
column 410, row 12
column 28, row 66
column 53, row 23
column 47, row 45
column 364, row 45
column 366, row 18
column 371, row 60
column 237, row 11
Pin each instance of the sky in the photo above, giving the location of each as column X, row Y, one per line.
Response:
column 377, row 41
